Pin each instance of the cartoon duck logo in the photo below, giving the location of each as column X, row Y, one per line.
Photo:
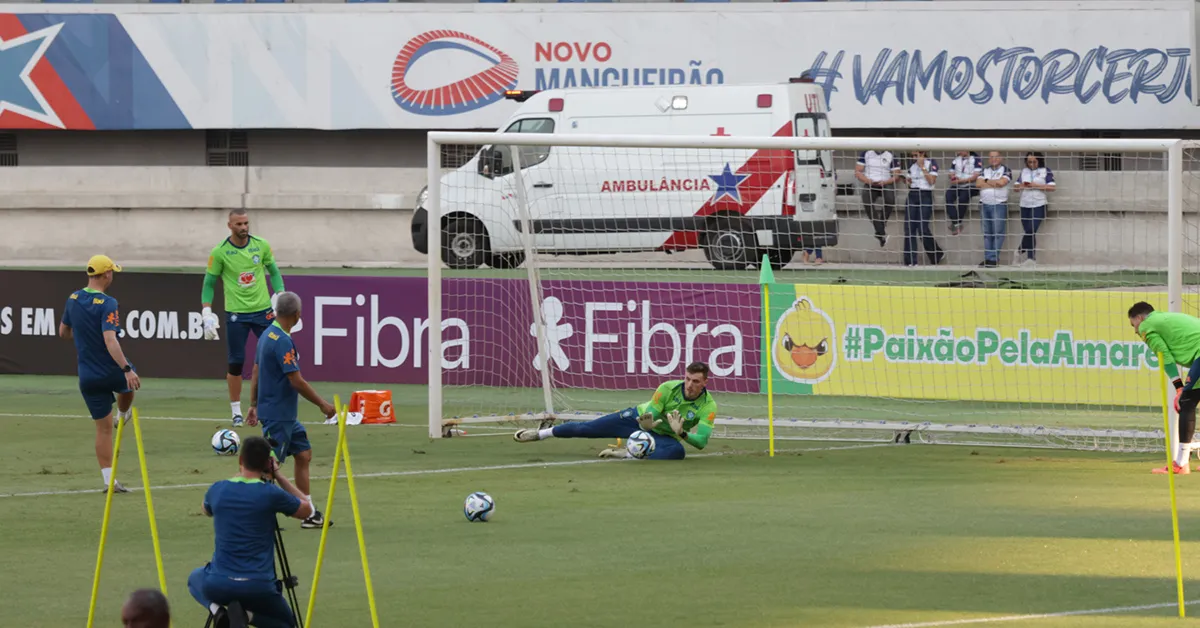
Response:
column 805, row 346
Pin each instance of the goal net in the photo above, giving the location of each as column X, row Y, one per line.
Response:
column 945, row 290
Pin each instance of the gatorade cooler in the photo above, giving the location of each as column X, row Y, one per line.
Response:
column 374, row 406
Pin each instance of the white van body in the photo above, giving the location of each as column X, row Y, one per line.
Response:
column 736, row 204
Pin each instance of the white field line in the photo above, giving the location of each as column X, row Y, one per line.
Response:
column 415, row 472
column 1006, row 618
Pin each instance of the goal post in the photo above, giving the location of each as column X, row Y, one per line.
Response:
column 569, row 274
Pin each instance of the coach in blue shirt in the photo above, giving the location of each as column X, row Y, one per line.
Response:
column 92, row 319
column 242, row 569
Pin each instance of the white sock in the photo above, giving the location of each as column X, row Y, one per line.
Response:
column 213, row 608
column 124, row 414
column 546, row 433
column 236, row 406
column 1181, row 455
column 106, row 473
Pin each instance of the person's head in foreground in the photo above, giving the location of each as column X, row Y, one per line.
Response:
column 287, row 310
column 255, row 456
column 100, row 269
column 146, row 608
column 1138, row 313
column 695, row 380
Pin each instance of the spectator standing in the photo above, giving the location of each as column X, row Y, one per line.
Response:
column 878, row 172
column 918, row 214
column 1035, row 182
column 993, row 184
column 966, row 169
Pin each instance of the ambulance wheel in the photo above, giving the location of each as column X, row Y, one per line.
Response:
column 464, row 243
column 506, row 260
column 726, row 243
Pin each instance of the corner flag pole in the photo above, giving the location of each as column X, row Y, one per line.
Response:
column 340, row 413
column 158, row 561
column 104, row 525
column 766, row 277
column 1171, row 480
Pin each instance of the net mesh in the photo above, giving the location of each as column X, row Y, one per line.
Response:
column 909, row 302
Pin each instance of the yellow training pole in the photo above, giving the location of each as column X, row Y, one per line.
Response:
column 337, row 459
column 158, row 561
column 362, row 543
column 1171, row 480
column 770, row 367
column 104, row 524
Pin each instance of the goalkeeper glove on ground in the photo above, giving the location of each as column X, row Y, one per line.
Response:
column 211, row 324
column 646, row 422
column 676, row 422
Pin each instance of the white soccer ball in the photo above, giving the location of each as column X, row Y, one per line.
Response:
column 479, row 506
column 226, row 442
column 640, row 444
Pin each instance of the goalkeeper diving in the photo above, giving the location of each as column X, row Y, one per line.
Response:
column 242, row 263
column 681, row 411
column 1177, row 337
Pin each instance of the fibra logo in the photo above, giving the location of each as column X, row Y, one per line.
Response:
column 466, row 94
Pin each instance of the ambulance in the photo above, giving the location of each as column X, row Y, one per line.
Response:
column 735, row 205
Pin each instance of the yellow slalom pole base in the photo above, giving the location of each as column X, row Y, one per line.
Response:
column 337, row 459
column 1171, row 482
column 770, row 366
column 158, row 561
column 104, row 525
column 362, row 543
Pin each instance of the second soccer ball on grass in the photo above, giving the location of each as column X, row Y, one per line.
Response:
column 479, row 506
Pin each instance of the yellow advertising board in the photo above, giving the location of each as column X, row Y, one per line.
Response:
column 1030, row 346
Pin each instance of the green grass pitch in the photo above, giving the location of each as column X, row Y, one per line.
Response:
column 817, row 536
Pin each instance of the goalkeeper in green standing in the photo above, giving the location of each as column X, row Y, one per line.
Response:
column 1177, row 337
column 681, row 411
column 242, row 262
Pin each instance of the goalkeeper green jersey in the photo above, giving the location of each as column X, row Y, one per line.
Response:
column 243, row 272
column 698, row 414
column 1176, row 336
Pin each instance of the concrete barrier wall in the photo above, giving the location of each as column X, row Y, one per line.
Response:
column 334, row 216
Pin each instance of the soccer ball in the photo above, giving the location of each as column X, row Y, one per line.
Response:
column 226, row 442
column 479, row 507
column 640, row 444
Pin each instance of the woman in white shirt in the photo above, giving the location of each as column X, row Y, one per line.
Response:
column 1035, row 182
column 918, row 214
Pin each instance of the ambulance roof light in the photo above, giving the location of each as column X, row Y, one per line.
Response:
column 556, row 104
column 806, row 77
column 764, row 101
column 519, row 95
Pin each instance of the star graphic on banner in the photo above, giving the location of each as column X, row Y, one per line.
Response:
column 727, row 184
column 18, row 93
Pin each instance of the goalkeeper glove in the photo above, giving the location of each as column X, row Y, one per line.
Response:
column 211, row 324
column 1178, row 391
column 676, row 422
column 274, row 301
column 646, row 422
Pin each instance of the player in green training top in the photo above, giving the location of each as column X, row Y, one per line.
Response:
column 1177, row 338
column 240, row 262
column 681, row 411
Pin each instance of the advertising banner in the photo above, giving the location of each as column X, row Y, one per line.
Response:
column 602, row 335
column 1011, row 66
column 1019, row 346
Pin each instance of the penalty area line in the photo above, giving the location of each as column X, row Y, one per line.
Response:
column 1035, row 616
column 417, row 472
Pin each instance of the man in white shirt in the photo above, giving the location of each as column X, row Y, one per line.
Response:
column 993, row 185
column 878, row 172
column 918, row 213
column 965, row 169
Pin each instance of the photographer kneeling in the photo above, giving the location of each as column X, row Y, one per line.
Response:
column 242, row 569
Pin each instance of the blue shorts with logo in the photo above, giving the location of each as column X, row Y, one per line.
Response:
column 100, row 393
column 238, row 327
column 289, row 438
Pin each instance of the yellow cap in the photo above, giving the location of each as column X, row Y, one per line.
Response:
column 100, row 264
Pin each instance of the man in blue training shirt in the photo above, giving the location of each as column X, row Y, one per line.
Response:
column 93, row 320
column 273, row 396
column 242, row 569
